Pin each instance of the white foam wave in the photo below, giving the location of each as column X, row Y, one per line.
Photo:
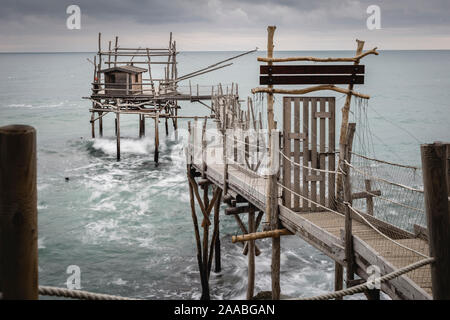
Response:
column 126, row 146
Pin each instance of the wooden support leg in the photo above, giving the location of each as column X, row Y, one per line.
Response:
column 143, row 125
column 115, row 127
column 100, row 124
column 373, row 294
column 203, row 278
column 205, row 228
column 156, row 138
column 175, row 122
column 217, row 254
column 118, row 135
column 140, row 126
column 167, row 125
column 215, row 241
column 93, row 124
column 251, row 256
column 338, row 277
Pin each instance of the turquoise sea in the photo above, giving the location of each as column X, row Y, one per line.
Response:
column 127, row 224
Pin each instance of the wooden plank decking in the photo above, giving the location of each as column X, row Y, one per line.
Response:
column 324, row 231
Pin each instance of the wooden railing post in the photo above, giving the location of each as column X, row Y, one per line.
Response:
column 435, row 181
column 346, row 153
column 18, row 213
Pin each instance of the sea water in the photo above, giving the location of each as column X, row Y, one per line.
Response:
column 127, row 225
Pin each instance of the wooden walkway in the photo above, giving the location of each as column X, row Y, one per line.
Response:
column 324, row 231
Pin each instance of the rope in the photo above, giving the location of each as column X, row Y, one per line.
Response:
column 381, row 179
column 382, row 234
column 385, row 162
column 309, row 200
column 365, row 286
column 392, row 201
column 77, row 294
column 306, row 167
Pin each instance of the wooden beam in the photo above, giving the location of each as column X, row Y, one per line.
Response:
column 261, row 235
column 312, row 69
column 321, row 79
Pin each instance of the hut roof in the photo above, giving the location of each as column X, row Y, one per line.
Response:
column 127, row 69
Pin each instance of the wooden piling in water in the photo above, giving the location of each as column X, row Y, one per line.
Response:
column 118, row 136
column 100, row 124
column 18, row 213
column 435, row 181
column 217, row 253
column 156, row 157
column 251, row 255
column 338, row 277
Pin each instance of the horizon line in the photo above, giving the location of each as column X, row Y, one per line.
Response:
column 94, row 52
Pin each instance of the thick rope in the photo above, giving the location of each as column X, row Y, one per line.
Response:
column 365, row 286
column 77, row 294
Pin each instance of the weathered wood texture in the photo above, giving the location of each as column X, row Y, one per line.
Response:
column 434, row 166
column 18, row 213
column 308, row 144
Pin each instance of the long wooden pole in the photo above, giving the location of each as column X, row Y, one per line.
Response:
column 18, row 213
column 344, row 124
column 271, row 189
column 434, row 158
column 349, row 252
column 203, row 280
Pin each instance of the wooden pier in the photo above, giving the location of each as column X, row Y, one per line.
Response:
column 125, row 87
column 304, row 187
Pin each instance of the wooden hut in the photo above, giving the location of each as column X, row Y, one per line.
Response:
column 123, row 80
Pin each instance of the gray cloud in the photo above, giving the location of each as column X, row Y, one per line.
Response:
column 23, row 22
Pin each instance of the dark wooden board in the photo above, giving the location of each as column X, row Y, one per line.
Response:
column 348, row 79
column 312, row 69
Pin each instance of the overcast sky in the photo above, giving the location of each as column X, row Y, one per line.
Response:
column 29, row 25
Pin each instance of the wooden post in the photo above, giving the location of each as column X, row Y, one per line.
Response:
column 251, row 255
column 369, row 200
column 156, row 138
column 203, row 279
column 93, row 125
column 338, row 277
column 217, row 254
column 271, row 188
column 100, row 124
column 345, row 115
column 349, row 254
column 115, row 126
column 118, row 135
column 18, row 213
column 434, row 162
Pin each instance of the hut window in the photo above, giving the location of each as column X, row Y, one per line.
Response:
column 136, row 78
column 112, row 78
